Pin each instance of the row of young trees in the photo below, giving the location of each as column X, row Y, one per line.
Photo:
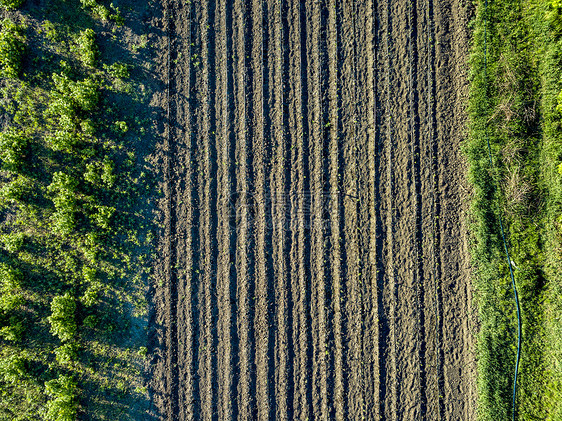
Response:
column 56, row 177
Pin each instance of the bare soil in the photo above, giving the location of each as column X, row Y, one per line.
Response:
column 313, row 258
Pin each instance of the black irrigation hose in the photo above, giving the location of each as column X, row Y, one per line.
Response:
column 502, row 230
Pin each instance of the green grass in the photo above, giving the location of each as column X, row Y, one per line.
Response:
column 514, row 103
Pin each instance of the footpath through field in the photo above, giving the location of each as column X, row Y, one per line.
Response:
column 314, row 262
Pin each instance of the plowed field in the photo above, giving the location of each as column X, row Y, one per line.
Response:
column 313, row 259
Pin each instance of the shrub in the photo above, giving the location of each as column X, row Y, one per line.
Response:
column 85, row 94
column 12, row 49
column 10, row 301
column 107, row 175
column 13, row 332
column 103, row 216
column 91, row 296
column 12, row 369
column 62, row 182
column 11, row 279
column 11, row 4
column 92, row 175
column 66, row 353
column 120, row 127
column 13, row 148
column 12, row 242
column 117, row 70
column 63, row 140
column 63, row 187
column 17, row 190
column 64, row 403
column 62, row 318
column 10, row 288
column 87, row 49
column 70, row 96
column 101, row 12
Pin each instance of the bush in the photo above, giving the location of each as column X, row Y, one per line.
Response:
column 85, row 94
column 63, row 140
column 107, row 175
column 64, row 403
column 12, row 369
column 80, row 95
column 11, row 279
column 64, row 188
column 117, row 70
column 12, row 49
column 87, row 49
column 10, row 301
column 66, row 353
column 91, row 296
column 62, row 318
column 103, row 215
column 17, row 190
column 10, row 288
column 12, row 242
column 13, row 148
column 68, row 104
column 13, row 332
column 11, row 4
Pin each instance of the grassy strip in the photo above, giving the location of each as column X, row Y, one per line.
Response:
column 545, row 21
column 514, row 103
column 72, row 259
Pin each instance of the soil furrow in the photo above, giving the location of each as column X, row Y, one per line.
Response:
column 407, row 368
column 181, row 252
column 366, row 27
column 193, row 396
column 375, row 270
column 205, row 129
column 350, row 192
column 314, row 207
column 285, row 386
column 337, row 256
column 225, row 274
column 230, row 119
column 387, row 282
column 268, row 106
column 451, row 67
column 260, row 154
column 243, row 218
column 433, row 229
column 379, row 180
column 300, row 219
column 322, row 218
column 416, row 85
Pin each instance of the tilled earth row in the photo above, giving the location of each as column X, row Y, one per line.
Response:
column 313, row 261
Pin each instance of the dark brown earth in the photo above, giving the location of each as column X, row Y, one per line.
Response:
column 313, row 258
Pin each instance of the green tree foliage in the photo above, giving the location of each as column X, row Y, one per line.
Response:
column 13, row 150
column 67, row 353
column 12, row 49
column 13, row 369
column 18, row 190
column 63, row 188
column 10, row 288
column 62, row 318
column 11, row 4
column 63, row 405
column 70, row 101
column 87, row 48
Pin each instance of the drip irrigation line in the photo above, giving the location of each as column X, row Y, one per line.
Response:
column 506, row 248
